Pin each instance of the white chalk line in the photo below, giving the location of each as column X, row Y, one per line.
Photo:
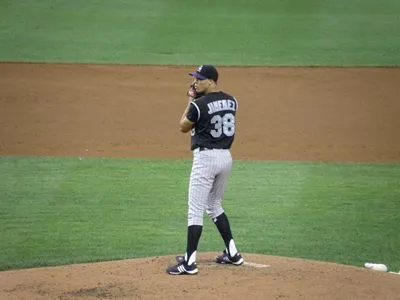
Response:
column 245, row 264
column 255, row 265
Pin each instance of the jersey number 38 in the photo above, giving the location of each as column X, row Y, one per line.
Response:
column 223, row 125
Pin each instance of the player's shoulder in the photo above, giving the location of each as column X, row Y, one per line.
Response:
column 204, row 99
column 225, row 95
column 217, row 96
column 230, row 97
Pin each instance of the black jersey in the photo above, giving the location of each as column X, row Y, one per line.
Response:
column 214, row 117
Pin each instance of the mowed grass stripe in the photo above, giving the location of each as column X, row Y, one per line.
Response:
column 177, row 32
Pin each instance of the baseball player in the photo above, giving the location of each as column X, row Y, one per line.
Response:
column 210, row 117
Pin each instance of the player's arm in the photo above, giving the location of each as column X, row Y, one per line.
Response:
column 185, row 124
column 189, row 117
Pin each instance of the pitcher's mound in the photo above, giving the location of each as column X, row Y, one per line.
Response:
column 261, row 277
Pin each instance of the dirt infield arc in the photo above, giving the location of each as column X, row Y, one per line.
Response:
column 318, row 114
column 334, row 114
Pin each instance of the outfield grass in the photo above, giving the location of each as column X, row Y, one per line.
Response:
column 234, row 32
column 63, row 210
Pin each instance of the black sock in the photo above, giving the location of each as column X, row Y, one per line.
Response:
column 193, row 237
column 224, row 228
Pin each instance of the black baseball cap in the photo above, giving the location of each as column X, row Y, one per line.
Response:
column 205, row 72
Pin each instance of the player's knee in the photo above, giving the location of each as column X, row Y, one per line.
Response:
column 214, row 212
column 195, row 219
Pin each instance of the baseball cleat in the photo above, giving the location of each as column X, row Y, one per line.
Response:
column 180, row 258
column 182, row 268
column 225, row 258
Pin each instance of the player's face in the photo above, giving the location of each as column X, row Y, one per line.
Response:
column 202, row 85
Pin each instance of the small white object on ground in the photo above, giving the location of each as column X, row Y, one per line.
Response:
column 395, row 273
column 376, row 267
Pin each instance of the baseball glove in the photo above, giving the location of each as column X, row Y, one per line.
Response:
column 193, row 93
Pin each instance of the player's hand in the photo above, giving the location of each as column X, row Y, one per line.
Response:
column 192, row 93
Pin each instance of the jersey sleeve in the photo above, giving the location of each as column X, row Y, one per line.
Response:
column 193, row 114
column 237, row 103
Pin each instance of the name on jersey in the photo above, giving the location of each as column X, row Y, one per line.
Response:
column 219, row 105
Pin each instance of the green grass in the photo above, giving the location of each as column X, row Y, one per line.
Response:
column 234, row 32
column 64, row 210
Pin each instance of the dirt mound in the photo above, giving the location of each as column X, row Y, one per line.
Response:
column 261, row 277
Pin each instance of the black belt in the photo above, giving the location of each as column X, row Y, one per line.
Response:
column 204, row 148
column 201, row 148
